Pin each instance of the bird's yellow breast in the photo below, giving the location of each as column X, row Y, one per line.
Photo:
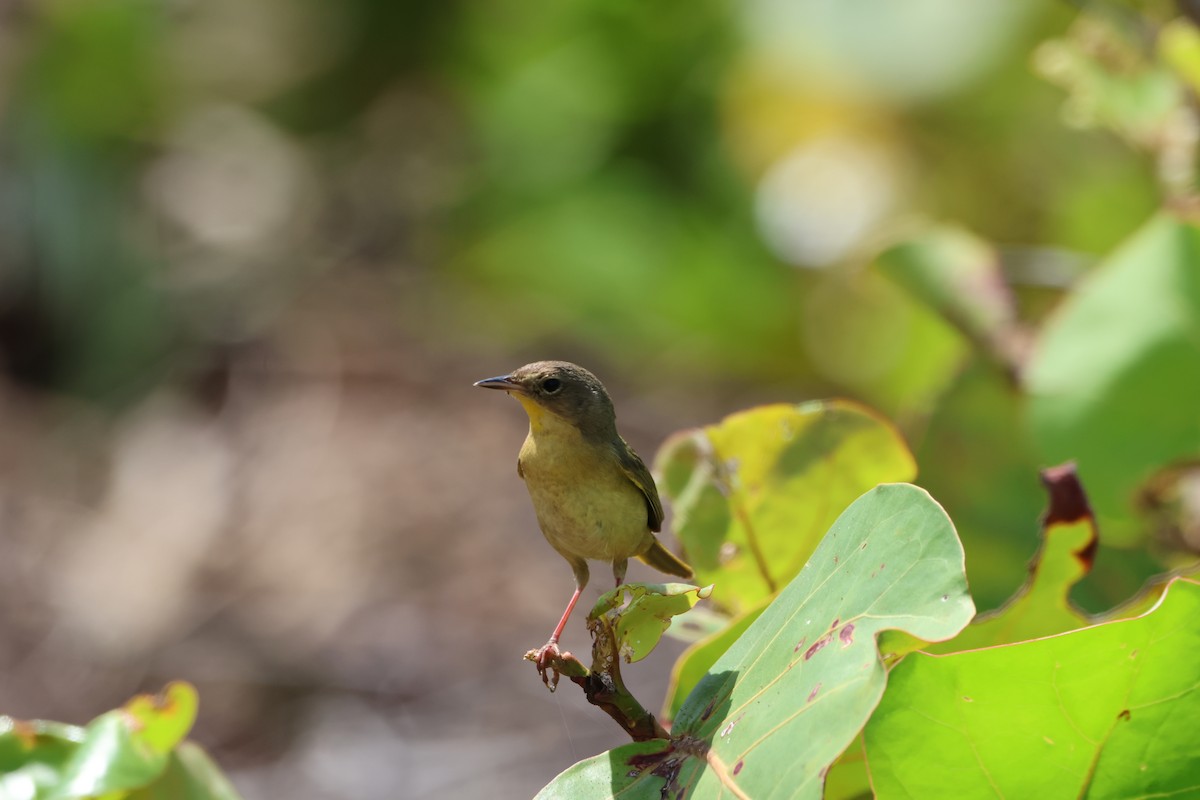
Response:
column 586, row 506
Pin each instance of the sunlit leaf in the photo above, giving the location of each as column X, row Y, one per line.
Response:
column 753, row 494
column 129, row 747
column 32, row 756
column 784, row 701
column 643, row 612
column 190, row 775
column 847, row 779
column 1105, row 711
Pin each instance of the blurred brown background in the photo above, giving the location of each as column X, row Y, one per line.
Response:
column 253, row 254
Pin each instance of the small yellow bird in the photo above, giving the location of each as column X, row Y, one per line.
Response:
column 593, row 496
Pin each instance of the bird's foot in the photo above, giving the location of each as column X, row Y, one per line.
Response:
column 547, row 658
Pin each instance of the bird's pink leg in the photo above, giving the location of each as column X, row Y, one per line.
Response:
column 549, row 651
column 562, row 623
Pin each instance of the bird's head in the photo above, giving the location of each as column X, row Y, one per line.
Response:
column 562, row 389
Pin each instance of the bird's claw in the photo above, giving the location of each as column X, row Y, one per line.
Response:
column 546, row 658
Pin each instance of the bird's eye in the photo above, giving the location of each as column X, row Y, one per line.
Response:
column 551, row 385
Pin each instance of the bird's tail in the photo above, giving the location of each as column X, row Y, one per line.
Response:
column 664, row 560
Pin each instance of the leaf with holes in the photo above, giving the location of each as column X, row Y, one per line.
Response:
column 1107, row 711
column 640, row 621
column 784, row 701
column 136, row 752
column 130, row 747
column 753, row 494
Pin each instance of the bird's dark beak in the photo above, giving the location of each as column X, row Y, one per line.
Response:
column 503, row 382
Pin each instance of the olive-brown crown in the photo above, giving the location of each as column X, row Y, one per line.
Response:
column 571, row 392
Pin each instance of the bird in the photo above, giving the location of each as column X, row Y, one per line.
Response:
column 592, row 494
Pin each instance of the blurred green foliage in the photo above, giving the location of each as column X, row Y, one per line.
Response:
column 979, row 219
column 137, row 752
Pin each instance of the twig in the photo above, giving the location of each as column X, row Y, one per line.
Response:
column 603, row 686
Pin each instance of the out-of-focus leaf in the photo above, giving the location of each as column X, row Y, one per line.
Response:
column 130, row 747
column 958, row 276
column 754, row 493
column 780, row 706
column 699, row 623
column 32, row 756
column 1111, row 81
column 135, row 752
column 847, row 779
column 1179, row 46
column 976, row 458
column 161, row 721
column 1106, row 711
column 866, row 333
column 641, row 620
column 1113, row 379
column 1041, row 607
column 190, row 775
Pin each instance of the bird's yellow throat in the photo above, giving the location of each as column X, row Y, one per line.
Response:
column 537, row 414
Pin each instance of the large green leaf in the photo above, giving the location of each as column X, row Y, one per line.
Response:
column 784, row 701
column 1114, row 378
column 1108, row 711
column 1042, row 606
column 699, row 658
column 754, row 493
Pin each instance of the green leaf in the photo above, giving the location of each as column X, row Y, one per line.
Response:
column 780, row 706
column 958, row 276
column 602, row 776
column 130, row 747
column 190, row 775
column 641, row 620
column 697, row 660
column 977, row 459
column 1179, row 47
column 753, row 494
column 1042, row 606
column 847, row 779
column 868, row 335
column 1126, row 341
column 32, row 756
column 1106, row 711
column 135, row 752
column 161, row 721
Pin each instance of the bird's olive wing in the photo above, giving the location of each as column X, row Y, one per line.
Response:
column 634, row 469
